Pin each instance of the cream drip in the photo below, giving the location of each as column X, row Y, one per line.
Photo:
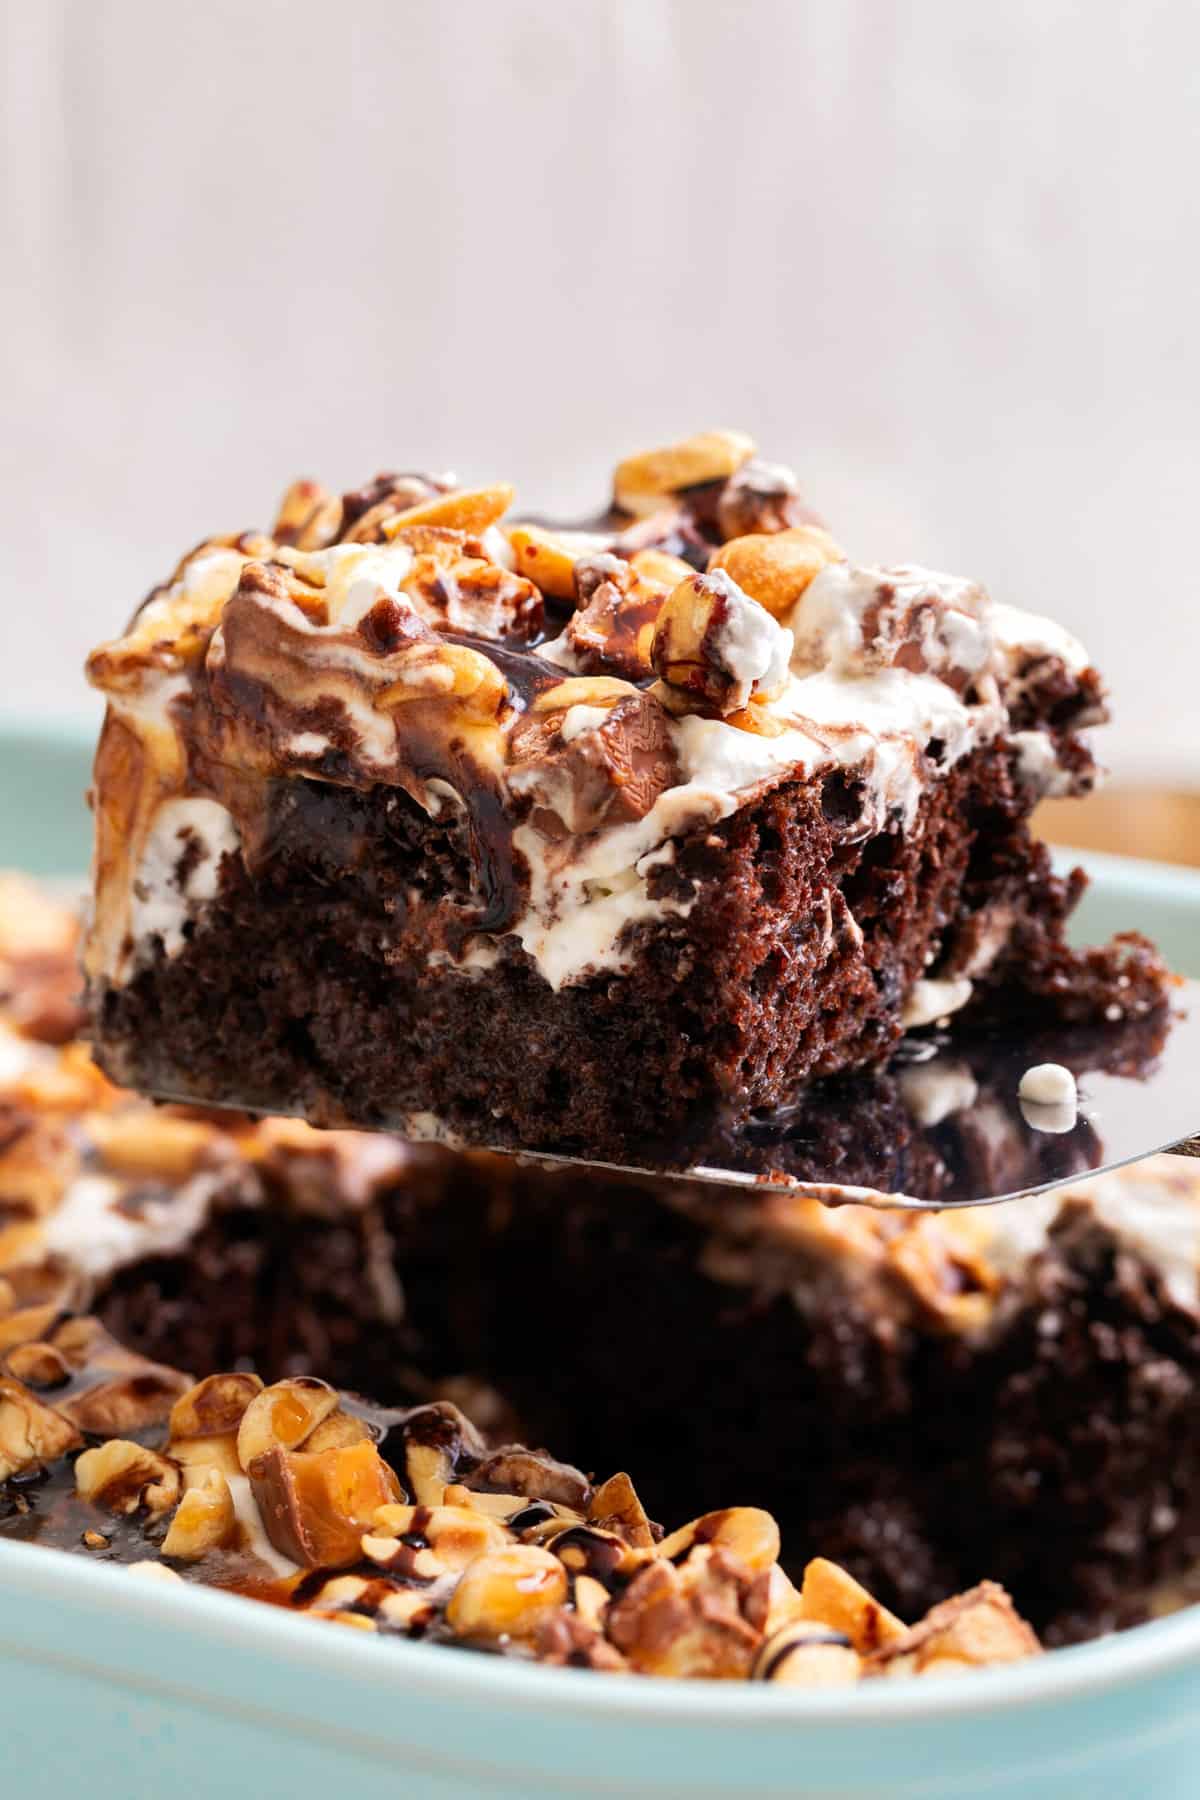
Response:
column 180, row 867
column 1039, row 766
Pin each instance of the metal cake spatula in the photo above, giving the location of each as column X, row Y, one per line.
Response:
column 944, row 1125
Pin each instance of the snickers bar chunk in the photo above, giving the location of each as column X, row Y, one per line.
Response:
column 408, row 817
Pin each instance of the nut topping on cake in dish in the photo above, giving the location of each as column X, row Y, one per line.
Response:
column 398, row 1523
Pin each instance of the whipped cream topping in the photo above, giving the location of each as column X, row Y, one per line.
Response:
column 1152, row 1208
column 359, row 678
column 850, row 618
column 583, row 895
column 1038, row 764
column 96, row 1232
column 1021, row 637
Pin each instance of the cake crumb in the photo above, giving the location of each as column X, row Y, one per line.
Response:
column 1048, row 1084
column 1049, row 1098
column 931, row 1001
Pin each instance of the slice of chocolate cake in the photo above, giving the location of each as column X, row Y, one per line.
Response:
column 409, row 819
column 930, row 1400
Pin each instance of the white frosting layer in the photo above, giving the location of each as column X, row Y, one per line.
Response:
column 1021, row 635
column 842, row 714
column 843, row 704
column 583, row 894
column 847, row 612
column 90, row 1231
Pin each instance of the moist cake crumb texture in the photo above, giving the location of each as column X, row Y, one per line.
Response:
column 413, row 814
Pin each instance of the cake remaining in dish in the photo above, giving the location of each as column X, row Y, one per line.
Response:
column 409, row 818
column 927, row 1404
column 1009, row 1393
column 403, row 1521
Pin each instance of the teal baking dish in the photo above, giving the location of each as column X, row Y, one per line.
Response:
column 118, row 1687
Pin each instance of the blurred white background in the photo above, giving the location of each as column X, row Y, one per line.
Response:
column 942, row 256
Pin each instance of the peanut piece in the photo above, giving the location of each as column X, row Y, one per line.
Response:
column 544, row 559
column 284, row 1415
column 215, row 1406
column 126, row 1477
column 470, row 510
column 747, row 1532
column 806, row 1654
column 642, row 483
column 832, row 1597
column 776, row 568
column 507, row 1593
column 714, row 642
column 204, row 1519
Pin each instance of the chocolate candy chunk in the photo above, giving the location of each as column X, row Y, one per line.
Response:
column 316, row 1505
column 593, row 761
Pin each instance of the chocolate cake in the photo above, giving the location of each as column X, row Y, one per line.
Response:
column 929, row 1401
column 926, row 1406
column 526, row 837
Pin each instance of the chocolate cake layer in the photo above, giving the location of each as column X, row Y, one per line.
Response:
column 410, row 819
